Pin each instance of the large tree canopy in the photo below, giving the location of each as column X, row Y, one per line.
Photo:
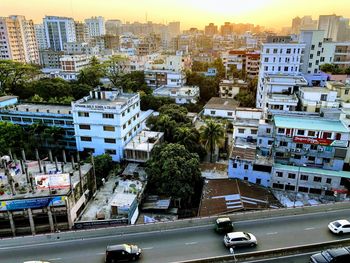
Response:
column 173, row 171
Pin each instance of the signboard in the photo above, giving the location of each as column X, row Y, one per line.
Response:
column 32, row 203
column 315, row 141
column 52, row 181
column 100, row 223
column 320, row 141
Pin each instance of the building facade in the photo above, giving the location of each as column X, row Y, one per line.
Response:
column 95, row 26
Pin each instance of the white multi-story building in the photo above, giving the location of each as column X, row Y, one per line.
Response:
column 282, row 57
column 182, row 95
column 80, row 48
column 40, row 36
column 318, row 50
column 18, row 40
column 314, row 99
column 59, row 30
column 96, row 26
column 105, row 121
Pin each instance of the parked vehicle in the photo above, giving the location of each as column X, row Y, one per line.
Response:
column 123, row 252
column 238, row 239
column 337, row 255
column 223, row 225
column 339, row 226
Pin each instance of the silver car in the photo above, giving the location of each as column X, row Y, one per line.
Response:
column 237, row 239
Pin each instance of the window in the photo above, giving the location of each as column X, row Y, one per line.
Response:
column 311, row 158
column 258, row 181
column 279, row 174
column 301, row 132
column 312, row 47
column 85, row 139
column 346, row 92
column 327, row 135
column 269, row 142
column 323, row 97
column 89, row 150
column 83, row 114
column 124, row 126
column 317, row 179
column 275, row 50
column 108, row 128
column 313, row 147
column 285, row 68
column 5, row 118
column 123, row 114
column 109, row 140
column 328, row 181
column 245, row 178
column 288, row 50
column 311, row 133
column 291, row 176
column 304, row 177
column 234, row 165
column 311, row 56
column 212, row 112
column 268, row 130
column 246, row 167
column 84, row 127
column 240, row 130
column 267, row 51
column 108, row 116
column 46, row 121
column 280, row 130
column 254, row 131
column 110, row 151
column 229, row 114
column 299, row 145
column 266, row 60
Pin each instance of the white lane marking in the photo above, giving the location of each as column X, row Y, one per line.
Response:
column 145, row 248
column 191, row 243
column 53, row 259
column 272, row 233
column 309, row 228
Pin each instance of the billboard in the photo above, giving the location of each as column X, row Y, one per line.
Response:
column 21, row 204
column 52, row 181
column 320, row 141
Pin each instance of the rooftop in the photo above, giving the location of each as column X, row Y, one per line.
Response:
column 313, row 170
column 221, row 104
column 5, row 98
column 41, row 108
column 315, row 89
column 144, row 141
column 222, row 196
column 304, row 123
column 245, row 153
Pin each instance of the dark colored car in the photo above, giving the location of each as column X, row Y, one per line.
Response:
column 337, row 255
column 223, row 225
column 123, row 252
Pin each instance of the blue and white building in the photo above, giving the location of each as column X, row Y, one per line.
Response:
column 105, row 121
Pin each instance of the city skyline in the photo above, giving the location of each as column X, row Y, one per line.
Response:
column 252, row 11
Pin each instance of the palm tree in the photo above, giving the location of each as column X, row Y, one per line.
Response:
column 186, row 136
column 212, row 135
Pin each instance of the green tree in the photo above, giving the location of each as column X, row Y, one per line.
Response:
column 163, row 123
column 208, row 86
column 173, row 171
column 135, row 82
column 92, row 74
column 36, row 98
column 11, row 137
column 115, row 69
column 103, row 166
column 212, row 135
column 175, row 112
column 190, row 138
column 150, row 102
column 219, row 65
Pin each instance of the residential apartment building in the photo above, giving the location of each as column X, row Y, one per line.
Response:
column 314, row 99
column 50, row 58
column 105, row 121
column 181, row 95
column 81, row 32
column 40, row 36
column 279, row 56
column 335, row 27
column 95, row 26
column 59, row 30
column 18, row 40
column 342, row 54
column 228, row 89
column 342, row 90
column 211, row 30
column 80, row 48
column 72, row 64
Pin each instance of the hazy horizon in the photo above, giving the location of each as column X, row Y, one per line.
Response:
column 191, row 13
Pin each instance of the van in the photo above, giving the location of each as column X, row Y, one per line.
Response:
column 337, row 255
column 122, row 253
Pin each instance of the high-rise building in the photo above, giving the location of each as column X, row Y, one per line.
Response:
column 278, row 56
column 81, row 32
column 211, row 29
column 343, row 30
column 174, row 29
column 18, row 40
column 40, row 36
column 318, row 50
column 96, row 26
column 304, row 23
column 296, row 22
column 330, row 24
column 59, row 30
column 226, row 29
column 113, row 26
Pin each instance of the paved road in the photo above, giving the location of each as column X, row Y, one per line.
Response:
column 185, row 244
column 302, row 258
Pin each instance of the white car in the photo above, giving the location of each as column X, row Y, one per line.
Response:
column 339, row 226
column 238, row 239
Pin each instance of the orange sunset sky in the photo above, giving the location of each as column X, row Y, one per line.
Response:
column 191, row 13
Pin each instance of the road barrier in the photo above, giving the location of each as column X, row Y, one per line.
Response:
column 166, row 226
column 272, row 253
